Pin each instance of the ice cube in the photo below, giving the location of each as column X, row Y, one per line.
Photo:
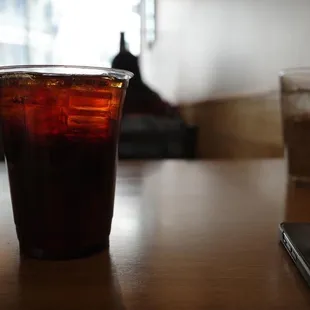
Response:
column 296, row 103
column 90, row 100
column 88, row 112
column 88, row 124
column 45, row 120
column 115, row 103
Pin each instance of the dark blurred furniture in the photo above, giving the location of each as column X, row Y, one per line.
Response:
column 151, row 137
column 151, row 127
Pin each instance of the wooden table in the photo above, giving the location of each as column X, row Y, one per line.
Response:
column 186, row 235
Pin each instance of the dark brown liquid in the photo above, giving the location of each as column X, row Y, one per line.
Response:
column 60, row 146
column 297, row 142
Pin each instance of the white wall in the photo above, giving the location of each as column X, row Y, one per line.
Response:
column 217, row 48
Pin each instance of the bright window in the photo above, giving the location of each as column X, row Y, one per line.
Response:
column 84, row 32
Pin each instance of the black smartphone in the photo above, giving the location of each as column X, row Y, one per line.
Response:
column 295, row 238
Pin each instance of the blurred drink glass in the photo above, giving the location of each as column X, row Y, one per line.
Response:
column 60, row 127
column 295, row 107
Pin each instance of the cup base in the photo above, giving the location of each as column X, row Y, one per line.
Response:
column 42, row 254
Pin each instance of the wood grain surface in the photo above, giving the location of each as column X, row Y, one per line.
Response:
column 186, row 235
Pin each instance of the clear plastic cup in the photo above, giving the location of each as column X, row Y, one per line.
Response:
column 60, row 127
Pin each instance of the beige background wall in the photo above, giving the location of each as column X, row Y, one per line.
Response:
column 238, row 127
column 230, row 50
column 218, row 48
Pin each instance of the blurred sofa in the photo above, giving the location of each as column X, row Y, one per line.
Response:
column 154, row 137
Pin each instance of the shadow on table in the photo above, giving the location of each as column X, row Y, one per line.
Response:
column 297, row 208
column 77, row 284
